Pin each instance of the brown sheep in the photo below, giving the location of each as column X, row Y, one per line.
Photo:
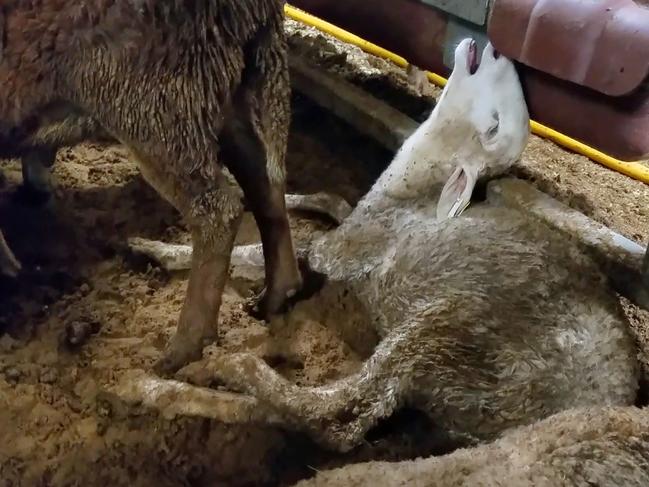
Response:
column 198, row 90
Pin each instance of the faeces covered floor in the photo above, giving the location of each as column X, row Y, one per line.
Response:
column 86, row 311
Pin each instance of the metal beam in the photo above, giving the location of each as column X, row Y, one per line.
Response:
column 370, row 116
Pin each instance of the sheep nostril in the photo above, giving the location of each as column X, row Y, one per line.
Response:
column 496, row 54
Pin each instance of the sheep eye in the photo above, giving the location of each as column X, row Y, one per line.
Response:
column 493, row 130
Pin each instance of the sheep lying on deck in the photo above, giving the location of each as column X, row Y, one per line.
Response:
column 487, row 321
column 198, row 91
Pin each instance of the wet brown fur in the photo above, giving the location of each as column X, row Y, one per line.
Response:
column 199, row 92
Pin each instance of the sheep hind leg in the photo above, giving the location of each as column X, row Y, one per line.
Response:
column 177, row 257
column 37, row 165
column 251, row 161
column 336, row 415
column 174, row 257
column 329, row 205
column 212, row 208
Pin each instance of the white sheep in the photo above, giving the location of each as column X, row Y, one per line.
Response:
column 487, row 320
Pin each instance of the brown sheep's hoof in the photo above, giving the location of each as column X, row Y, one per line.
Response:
column 261, row 309
column 167, row 366
column 265, row 306
column 174, row 360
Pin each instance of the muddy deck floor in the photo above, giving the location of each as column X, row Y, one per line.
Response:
column 55, row 429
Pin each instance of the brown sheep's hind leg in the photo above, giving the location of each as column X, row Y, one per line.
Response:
column 253, row 144
column 246, row 154
column 212, row 209
column 325, row 204
column 36, row 169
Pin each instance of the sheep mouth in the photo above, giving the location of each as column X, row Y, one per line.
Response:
column 472, row 58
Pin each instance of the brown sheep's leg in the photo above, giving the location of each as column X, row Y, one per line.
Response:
column 326, row 204
column 36, row 168
column 212, row 210
column 250, row 159
column 253, row 144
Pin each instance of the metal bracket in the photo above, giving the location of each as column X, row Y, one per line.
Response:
column 474, row 11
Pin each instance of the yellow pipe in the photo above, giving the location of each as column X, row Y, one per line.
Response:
column 631, row 169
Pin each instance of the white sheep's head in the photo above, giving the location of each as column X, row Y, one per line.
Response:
column 482, row 120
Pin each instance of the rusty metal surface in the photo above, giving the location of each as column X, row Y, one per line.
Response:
column 603, row 45
column 616, row 125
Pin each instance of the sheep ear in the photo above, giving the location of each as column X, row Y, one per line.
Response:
column 456, row 194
